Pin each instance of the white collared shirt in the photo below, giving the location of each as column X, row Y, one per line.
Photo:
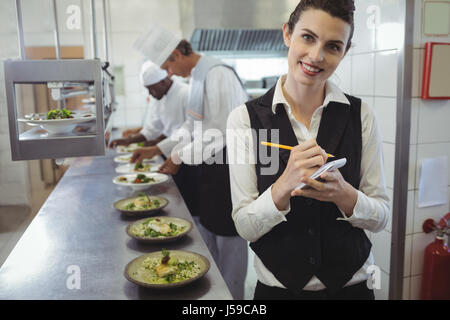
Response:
column 165, row 116
column 223, row 92
column 255, row 214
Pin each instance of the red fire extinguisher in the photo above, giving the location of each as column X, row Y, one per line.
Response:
column 436, row 265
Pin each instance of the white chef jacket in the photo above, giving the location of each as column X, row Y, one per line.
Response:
column 255, row 215
column 165, row 116
column 223, row 92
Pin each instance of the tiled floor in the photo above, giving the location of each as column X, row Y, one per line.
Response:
column 14, row 220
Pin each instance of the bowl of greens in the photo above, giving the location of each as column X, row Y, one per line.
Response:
column 167, row 269
column 57, row 121
column 142, row 205
column 159, row 229
column 140, row 181
column 138, row 167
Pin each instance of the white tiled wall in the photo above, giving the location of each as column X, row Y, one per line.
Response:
column 431, row 138
column 13, row 175
column 343, row 74
column 385, row 110
column 363, row 68
column 433, row 122
column 386, row 73
column 415, row 284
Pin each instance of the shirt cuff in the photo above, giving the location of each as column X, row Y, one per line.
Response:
column 149, row 135
column 166, row 146
column 357, row 211
column 265, row 207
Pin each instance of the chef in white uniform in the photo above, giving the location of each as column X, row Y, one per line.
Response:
column 166, row 111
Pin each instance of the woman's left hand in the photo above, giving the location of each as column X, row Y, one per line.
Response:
column 333, row 188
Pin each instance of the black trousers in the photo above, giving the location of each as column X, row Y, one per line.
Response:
column 359, row 291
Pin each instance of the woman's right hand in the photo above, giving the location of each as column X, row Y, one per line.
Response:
column 304, row 160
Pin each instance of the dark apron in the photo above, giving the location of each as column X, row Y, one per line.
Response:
column 214, row 198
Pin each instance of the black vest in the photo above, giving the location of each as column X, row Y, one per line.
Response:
column 312, row 242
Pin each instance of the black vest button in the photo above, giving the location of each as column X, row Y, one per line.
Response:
column 311, row 231
column 309, row 202
column 312, row 260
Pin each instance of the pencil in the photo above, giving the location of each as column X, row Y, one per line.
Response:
column 281, row 146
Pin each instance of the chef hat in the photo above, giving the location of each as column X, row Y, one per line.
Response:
column 151, row 74
column 157, row 44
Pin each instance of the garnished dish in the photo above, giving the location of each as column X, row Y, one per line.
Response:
column 141, row 205
column 130, row 148
column 57, row 121
column 127, row 157
column 159, row 229
column 140, row 181
column 167, row 269
column 59, row 114
column 138, row 167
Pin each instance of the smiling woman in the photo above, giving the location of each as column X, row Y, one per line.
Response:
column 317, row 43
column 318, row 229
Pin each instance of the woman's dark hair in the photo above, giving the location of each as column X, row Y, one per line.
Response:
column 342, row 9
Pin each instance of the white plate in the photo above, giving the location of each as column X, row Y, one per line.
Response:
column 55, row 126
column 129, row 168
column 125, row 158
column 127, row 149
column 88, row 101
column 159, row 178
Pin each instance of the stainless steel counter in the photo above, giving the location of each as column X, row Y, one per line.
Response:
column 77, row 226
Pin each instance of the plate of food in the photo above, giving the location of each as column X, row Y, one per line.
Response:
column 138, row 167
column 167, row 269
column 159, row 229
column 125, row 158
column 140, row 181
column 57, row 120
column 130, row 148
column 141, row 205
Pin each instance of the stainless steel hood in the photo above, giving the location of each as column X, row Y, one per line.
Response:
column 236, row 26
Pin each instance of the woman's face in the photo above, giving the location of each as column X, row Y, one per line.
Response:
column 316, row 46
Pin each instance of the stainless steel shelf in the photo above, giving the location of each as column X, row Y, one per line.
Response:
column 37, row 133
column 34, row 144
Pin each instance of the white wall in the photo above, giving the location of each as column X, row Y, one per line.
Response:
column 430, row 138
column 128, row 22
column 13, row 175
